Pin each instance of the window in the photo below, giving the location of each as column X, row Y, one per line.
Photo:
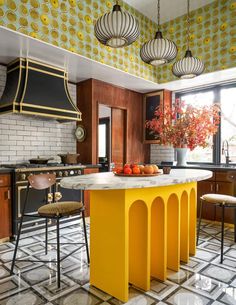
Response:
column 225, row 96
column 228, row 121
column 102, row 140
column 205, row 98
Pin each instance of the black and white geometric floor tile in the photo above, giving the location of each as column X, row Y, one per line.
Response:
column 201, row 281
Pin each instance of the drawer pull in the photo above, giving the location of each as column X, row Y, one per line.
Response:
column 217, row 187
column 8, row 194
column 211, row 188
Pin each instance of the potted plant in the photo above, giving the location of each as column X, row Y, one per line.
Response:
column 184, row 126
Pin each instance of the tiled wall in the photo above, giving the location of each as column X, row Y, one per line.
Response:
column 23, row 137
column 160, row 153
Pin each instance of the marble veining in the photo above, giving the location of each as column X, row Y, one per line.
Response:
column 103, row 181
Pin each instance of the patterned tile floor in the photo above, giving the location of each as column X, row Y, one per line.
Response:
column 202, row 281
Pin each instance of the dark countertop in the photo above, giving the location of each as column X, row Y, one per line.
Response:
column 5, row 170
column 218, row 167
column 92, row 165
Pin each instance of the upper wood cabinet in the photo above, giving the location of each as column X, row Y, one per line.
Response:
column 151, row 102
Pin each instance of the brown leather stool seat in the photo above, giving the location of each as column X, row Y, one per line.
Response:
column 63, row 208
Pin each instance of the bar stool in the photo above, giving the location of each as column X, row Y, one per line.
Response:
column 223, row 201
column 54, row 210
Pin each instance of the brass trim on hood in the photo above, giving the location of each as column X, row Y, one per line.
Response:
column 23, row 86
column 52, row 115
column 49, row 108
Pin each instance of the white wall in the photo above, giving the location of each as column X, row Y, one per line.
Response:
column 23, row 137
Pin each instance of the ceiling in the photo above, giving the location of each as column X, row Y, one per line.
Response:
column 170, row 9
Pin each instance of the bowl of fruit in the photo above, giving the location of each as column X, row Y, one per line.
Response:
column 137, row 170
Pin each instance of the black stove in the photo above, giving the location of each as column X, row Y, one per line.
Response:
column 21, row 173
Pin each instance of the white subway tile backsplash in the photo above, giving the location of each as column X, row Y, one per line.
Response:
column 160, row 153
column 24, row 137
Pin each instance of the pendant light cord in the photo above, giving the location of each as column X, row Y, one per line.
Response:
column 158, row 14
column 188, row 23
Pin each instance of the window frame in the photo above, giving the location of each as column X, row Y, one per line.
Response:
column 216, row 158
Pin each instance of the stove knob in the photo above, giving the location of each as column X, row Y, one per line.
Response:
column 72, row 173
column 79, row 172
column 60, row 174
column 23, row 176
column 66, row 173
column 54, row 173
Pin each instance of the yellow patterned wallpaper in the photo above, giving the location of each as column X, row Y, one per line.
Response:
column 69, row 24
column 212, row 37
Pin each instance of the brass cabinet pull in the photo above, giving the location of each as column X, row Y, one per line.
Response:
column 217, row 187
column 211, row 187
column 9, row 194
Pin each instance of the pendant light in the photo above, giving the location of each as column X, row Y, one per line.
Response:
column 158, row 51
column 189, row 66
column 116, row 29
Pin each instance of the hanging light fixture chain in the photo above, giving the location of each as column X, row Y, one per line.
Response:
column 158, row 14
column 188, row 23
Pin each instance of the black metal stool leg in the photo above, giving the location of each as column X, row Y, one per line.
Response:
column 16, row 246
column 222, row 232
column 199, row 221
column 85, row 237
column 46, row 236
column 58, row 254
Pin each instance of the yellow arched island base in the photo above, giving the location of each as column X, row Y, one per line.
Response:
column 138, row 233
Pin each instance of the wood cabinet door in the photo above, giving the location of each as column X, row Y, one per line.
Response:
column 86, row 193
column 208, row 209
column 5, row 212
column 118, row 136
column 225, row 188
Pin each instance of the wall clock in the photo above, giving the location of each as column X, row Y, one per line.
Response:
column 80, row 133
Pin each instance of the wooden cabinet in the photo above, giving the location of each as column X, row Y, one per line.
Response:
column 87, row 171
column 218, row 184
column 5, row 207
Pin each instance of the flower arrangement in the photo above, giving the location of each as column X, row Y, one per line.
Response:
column 184, row 126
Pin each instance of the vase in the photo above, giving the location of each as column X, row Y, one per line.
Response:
column 181, row 154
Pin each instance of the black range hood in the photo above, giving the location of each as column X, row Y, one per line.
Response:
column 36, row 88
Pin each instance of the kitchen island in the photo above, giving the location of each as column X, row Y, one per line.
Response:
column 139, row 226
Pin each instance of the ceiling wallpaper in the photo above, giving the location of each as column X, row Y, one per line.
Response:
column 69, row 24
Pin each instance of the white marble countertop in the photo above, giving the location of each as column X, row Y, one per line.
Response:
column 106, row 181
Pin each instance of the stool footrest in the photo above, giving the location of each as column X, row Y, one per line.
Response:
column 49, row 261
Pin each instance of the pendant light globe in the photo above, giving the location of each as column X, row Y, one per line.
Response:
column 117, row 29
column 189, row 66
column 158, row 51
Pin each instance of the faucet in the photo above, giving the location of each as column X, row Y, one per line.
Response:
column 225, row 151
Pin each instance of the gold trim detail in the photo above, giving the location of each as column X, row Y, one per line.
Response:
column 45, row 72
column 8, row 104
column 17, row 89
column 25, row 85
column 13, row 69
column 49, row 108
column 45, row 65
column 53, row 116
column 68, row 94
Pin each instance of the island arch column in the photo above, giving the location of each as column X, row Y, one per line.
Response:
column 131, row 235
